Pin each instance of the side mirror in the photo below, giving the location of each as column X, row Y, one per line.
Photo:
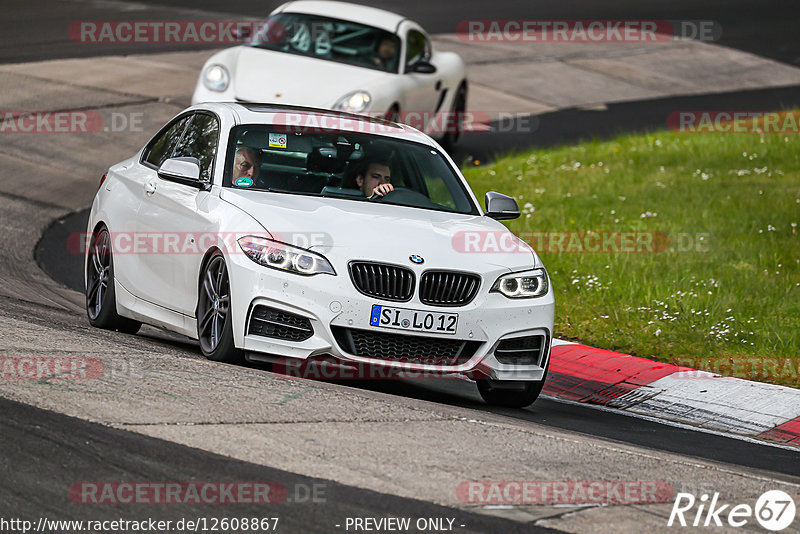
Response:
column 182, row 170
column 501, row 207
column 422, row 67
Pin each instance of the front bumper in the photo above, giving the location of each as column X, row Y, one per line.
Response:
column 332, row 301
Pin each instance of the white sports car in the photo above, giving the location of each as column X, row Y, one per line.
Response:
column 346, row 57
column 274, row 232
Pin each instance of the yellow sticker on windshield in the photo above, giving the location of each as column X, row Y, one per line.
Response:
column 277, row 140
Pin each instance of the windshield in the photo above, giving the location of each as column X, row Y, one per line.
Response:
column 331, row 39
column 345, row 165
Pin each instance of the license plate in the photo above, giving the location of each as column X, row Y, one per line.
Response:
column 420, row 321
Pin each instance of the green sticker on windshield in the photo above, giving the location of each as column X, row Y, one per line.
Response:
column 243, row 181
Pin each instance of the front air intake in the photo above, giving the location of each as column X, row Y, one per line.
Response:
column 278, row 324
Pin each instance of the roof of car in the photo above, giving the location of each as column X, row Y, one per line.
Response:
column 370, row 16
column 300, row 117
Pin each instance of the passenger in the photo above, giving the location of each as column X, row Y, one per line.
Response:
column 246, row 163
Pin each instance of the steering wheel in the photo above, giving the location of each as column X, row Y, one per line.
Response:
column 403, row 195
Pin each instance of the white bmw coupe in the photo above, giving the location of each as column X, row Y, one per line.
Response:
column 273, row 232
column 345, row 57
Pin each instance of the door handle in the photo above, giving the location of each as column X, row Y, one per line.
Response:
column 150, row 188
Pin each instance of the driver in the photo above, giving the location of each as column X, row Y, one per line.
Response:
column 386, row 50
column 374, row 178
column 247, row 163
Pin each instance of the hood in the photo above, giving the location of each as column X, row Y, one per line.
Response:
column 260, row 75
column 345, row 230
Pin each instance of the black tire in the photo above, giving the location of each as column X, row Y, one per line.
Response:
column 101, row 299
column 214, row 323
column 451, row 138
column 510, row 398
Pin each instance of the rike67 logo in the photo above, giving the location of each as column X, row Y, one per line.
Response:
column 774, row 510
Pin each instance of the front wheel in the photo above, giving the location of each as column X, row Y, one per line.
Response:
column 101, row 300
column 510, row 394
column 455, row 123
column 393, row 115
column 214, row 321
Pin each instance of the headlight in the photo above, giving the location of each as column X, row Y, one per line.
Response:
column 523, row 285
column 284, row 257
column 355, row 102
column 216, row 78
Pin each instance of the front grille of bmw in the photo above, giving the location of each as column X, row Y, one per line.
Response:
column 404, row 348
column 388, row 282
column 392, row 282
column 448, row 288
column 278, row 324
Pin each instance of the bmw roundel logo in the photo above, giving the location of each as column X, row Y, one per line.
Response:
column 416, row 259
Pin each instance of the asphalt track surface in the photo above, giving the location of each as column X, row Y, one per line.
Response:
column 48, row 451
column 66, row 267
column 45, row 453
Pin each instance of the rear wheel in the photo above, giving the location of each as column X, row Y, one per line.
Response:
column 509, row 394
column 214, row 322
column 101, row 300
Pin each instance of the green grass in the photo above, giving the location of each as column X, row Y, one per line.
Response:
column 723, row 296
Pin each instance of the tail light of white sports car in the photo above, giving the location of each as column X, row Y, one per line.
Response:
column 283, row 257
column 528, row 284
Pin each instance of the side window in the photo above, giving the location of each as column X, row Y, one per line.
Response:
column 162, row 146
column 200, row 141
column 417, row 47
